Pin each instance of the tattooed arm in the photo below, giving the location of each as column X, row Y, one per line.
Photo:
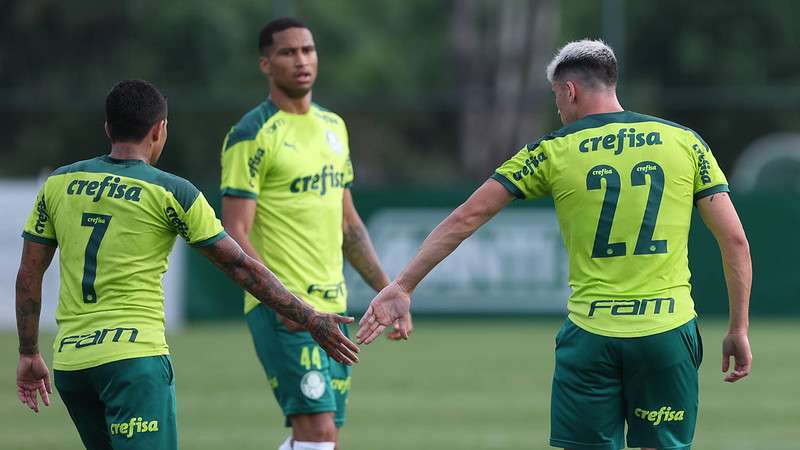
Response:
column 259, row 281
column 32, row 374
column 358, row 248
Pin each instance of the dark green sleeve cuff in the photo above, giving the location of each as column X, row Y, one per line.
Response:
column 711, row 191
column 510, row 187
column 210, row 241
column 348, row 185
column 38, row 239
column 230, row 192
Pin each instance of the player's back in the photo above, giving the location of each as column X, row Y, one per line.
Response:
column 115, row 222
column 624, row 185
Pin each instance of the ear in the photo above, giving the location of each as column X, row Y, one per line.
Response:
column 106, row 127
column 572, row 91
column 159, row 128
column 263, row 65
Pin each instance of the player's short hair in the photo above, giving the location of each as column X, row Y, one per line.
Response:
column 592, row 61
column 132, row 108
column 265, row 37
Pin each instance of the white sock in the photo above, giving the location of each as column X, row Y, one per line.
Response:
column 287, row 444
column 299, row 445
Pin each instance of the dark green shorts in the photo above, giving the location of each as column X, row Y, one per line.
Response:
column 127, row 404
column 600, row 383
column 302, row 376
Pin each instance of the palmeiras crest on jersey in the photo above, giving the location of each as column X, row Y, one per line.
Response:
column 313, row 385
column 333, row 141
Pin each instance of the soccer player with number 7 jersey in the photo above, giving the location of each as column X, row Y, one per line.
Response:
column 624, row 185
column 115, row 219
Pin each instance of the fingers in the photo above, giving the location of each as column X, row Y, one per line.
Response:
column 366, row 325
column 740, row 371
column 367, row 316
column 343, row 319
column 43, row 391
column 726, row 363
column 373, row 333
column 368, row 330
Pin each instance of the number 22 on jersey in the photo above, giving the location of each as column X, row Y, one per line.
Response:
column 645, row 245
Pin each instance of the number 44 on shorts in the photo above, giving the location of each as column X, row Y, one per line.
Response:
column 309, row 356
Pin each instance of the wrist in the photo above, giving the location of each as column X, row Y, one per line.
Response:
column 404, row 285
column 28, row 350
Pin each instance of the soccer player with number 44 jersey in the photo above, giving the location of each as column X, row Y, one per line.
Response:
column 624, row 185
column 115, row 219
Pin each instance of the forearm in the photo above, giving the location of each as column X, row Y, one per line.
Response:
column 242, row 238
column 256, row 279
column 359, row 251
column 28, row 306
column 442, row 241
column 738, row 270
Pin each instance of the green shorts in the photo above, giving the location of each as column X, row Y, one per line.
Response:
column 302, row 376
column 600, row 383
column 127, row 404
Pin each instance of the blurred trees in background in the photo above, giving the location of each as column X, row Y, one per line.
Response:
column 433, row 91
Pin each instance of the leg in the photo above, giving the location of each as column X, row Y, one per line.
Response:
column 586, row 405
column 314, row 427
column 85, row 408
column 139, row 396
column 299, row 372
column 662, row 411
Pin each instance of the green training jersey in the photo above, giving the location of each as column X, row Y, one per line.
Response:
column 115, row 222
column 624, row 185
column 296, row 167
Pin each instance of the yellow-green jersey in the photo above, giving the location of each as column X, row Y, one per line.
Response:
column 296, row 167
column 624, row 185
column 115, row 222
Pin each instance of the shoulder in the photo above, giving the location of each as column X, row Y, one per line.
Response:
column 678, row 128
column 79, row 166
column 251, row 123
column 184, row 192
column 326, row 115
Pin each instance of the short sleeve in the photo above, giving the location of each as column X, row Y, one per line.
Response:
column 244, row 163
column 708, row 177
column 198, row 225
column 524, row 174
column 348, row 174
column 39, row 227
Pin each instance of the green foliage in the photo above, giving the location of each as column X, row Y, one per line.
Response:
column 386, row 66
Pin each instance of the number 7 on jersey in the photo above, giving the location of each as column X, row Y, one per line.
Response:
column 99, row 224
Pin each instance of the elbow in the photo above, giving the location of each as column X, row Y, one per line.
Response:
column 238, row 233
column 466, row 220
column 737, row 243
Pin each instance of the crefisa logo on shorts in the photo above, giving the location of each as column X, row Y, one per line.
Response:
column 313, row 384
column 135, row 425
column 664, row 414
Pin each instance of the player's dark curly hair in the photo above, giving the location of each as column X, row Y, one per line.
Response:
column 132, row 108
column 265, row 39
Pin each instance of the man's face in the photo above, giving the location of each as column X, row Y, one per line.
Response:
column 564, row 101
column 291, row 62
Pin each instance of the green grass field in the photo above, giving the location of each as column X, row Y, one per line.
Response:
column 458, row 384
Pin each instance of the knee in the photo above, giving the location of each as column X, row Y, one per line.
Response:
column 314, row 427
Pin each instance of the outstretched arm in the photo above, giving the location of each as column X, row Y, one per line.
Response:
column 720, row 217
column 259, row 281
column 357, row 247
column 32, row 373
column 394, row 301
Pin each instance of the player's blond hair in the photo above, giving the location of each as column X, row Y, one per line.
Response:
column 593, row 61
